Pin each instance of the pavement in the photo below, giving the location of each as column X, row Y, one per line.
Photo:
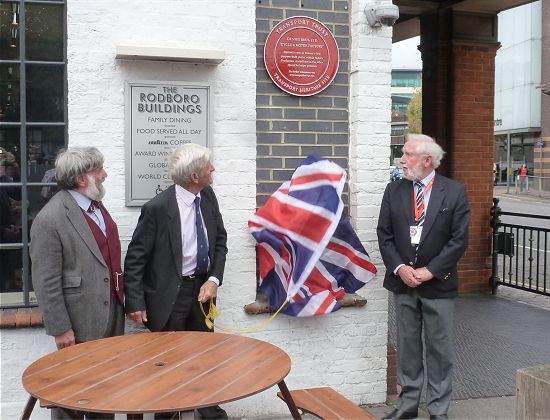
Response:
column 495, row 336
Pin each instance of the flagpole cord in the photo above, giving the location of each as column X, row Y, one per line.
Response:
column 214, row 312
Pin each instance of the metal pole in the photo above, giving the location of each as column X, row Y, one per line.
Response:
column 508, row 157
column 540, row 170
column 495, row 221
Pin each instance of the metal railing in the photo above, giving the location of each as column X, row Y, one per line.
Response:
column 520, row 253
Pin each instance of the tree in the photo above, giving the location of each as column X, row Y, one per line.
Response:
column 414, row 113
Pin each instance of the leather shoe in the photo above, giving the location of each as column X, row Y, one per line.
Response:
column 438, row 417
column 400, row 414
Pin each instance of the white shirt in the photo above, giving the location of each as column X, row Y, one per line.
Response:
column 84, row 203
column 186, row 206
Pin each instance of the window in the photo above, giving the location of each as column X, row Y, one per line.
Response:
column 33, row 128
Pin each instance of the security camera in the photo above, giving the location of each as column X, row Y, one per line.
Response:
column 384, row 14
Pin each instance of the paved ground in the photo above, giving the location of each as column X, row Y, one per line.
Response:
column 495, row 336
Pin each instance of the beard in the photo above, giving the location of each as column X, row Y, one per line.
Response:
column 413, row 174
column 93, row 191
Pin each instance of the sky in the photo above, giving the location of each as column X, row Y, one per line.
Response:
column 405, row 54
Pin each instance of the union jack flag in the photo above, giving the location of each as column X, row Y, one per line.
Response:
column 308, row 252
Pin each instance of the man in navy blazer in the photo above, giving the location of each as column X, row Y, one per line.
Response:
column 422, row 233
column 167, row 272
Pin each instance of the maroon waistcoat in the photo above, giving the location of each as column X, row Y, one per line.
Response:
column 110, row 250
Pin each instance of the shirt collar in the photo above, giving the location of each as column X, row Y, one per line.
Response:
column 427, row 180
column 82, row 201
column 185, row 196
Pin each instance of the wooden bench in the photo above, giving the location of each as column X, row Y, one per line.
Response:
column 327, row 404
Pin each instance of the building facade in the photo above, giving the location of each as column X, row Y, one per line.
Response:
column 519, row 74
column 75, row 96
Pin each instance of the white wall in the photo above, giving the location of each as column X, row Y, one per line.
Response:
column 345, row 350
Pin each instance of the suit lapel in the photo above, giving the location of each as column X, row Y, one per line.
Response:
column 75, row 216
column 436, row 199
column 174, row 226
column 407, row 195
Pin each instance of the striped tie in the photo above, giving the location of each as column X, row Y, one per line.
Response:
column 420, row 202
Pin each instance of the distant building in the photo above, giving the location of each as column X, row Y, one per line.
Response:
column 519, row 72
column 404, row 84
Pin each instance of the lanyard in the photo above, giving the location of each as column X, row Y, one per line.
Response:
column 418, row 211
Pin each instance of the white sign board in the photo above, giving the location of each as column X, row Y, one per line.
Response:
column 159, row 117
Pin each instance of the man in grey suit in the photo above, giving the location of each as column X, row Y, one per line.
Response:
column 75, row 253
column 422, row 233
column 176, row 257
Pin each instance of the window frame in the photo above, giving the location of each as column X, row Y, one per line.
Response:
column 23, row 125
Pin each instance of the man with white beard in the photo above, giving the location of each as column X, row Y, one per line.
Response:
column 75, row 253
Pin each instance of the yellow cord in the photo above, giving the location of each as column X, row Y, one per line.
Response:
column 213, row 312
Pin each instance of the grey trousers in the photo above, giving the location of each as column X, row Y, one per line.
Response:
column 114, row 327
column 424, row 323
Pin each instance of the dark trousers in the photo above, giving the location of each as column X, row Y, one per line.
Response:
column 187, row 316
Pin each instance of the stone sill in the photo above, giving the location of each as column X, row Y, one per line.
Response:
column 261, row 306
column 21, row 318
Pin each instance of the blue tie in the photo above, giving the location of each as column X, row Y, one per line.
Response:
column 202, row 244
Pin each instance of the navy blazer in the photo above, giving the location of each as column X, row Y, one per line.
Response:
column 153, row 264
column 444, row 235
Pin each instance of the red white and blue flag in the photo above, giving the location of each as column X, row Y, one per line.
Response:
column 308, row 253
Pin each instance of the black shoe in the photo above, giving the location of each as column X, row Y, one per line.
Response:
column 214, row 412
column 438, row 417
column 400, row 414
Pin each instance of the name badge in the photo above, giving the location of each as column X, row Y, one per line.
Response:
column 416, row 233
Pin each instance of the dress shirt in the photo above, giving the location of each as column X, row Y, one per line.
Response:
column 84, row 203
column 428, row 193
column 427, row 196
column 186, row 206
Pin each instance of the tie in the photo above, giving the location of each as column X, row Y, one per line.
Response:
column 94, row 205
column 202, row 244
column 419, row 202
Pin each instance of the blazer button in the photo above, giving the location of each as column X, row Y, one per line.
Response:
column 105, row 303
column 106, row 280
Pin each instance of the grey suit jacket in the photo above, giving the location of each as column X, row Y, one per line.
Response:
column 444, row 235
column 153, row 264
column 69, row 274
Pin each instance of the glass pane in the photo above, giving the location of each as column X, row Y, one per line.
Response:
column 9, row 31
column 37, row 198
column 10, row 233
column 45, row 99
column 9, row 92
column 11, row 276
column 43, row 144
column 10, row 155
column 44, row 32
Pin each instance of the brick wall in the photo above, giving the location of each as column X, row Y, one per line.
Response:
column 289, row 128
column 472, row 133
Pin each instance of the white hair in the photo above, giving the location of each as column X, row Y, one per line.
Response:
column 426, row 145
column 186, row 160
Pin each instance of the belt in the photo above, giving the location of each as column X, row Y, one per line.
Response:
column 193, row 277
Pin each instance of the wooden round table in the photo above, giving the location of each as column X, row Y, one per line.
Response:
column 157, row 372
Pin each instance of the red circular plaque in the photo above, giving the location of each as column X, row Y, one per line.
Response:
column 301, row 56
